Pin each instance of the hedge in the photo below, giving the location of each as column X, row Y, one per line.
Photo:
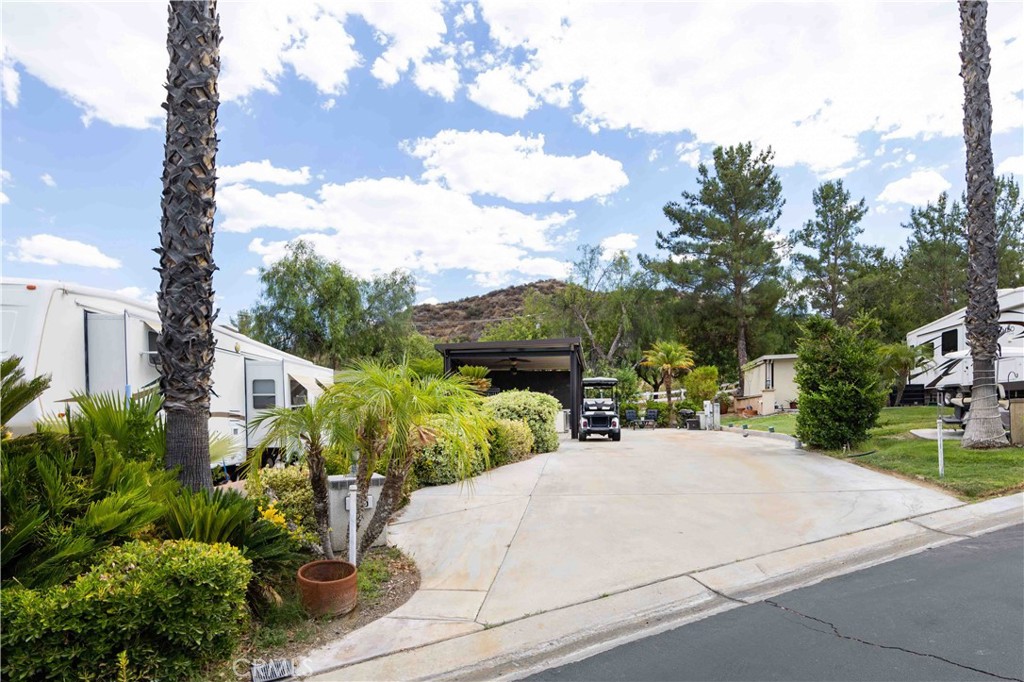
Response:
column 167, row 609
column 538, row 410
column 510, row 442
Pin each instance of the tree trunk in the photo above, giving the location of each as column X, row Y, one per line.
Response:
column 390, row 497
column 188, row 447
column 668, row 396
column 321, row 499
column 901, row 385
column 984, row 429
column 741, row 352
column 186, row 343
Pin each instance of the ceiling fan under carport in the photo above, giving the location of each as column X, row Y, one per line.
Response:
column 511, row 364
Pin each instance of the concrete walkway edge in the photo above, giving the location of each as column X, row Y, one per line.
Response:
column 520, row 647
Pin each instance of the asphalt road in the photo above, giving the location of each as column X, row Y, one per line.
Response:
column 951, row 613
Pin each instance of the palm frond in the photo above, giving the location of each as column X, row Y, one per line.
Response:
column 15, row 393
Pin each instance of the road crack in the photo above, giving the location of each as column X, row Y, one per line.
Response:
column 837, row 633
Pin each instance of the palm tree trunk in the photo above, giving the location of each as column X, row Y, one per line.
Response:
column 321, row 499
column 984, row 429
column 186, row 343
column 668, row 395
column 390, row 497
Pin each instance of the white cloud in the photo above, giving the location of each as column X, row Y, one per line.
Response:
column 616, row 243
column 4, row 199
column 653, row 155
column 911, row 157
column 140, row 294
column 688, row 153
column 808, row 83
column 466, row 16
column 918, row 188
column 438, row 78
column 79, row 49
column 5, row 175
column 328, row 104
column 1013, row 165
column 262, row 171
column 514, row 167
column 500, row 90
column 430, row 300
column 48, row 180
column 252, row 272
column 428, row 228
column 10, row 80
column 47, row 249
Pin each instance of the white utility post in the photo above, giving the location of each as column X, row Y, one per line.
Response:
column 942, row 461
column 353, row 512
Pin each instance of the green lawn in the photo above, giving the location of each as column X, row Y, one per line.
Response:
column 971, row 474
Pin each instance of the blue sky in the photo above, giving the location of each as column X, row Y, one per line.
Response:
column 474, row 144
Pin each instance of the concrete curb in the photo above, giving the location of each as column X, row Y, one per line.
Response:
column 522, row 647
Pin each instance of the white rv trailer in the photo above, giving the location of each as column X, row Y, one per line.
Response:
column 951, row 372
column 96, row 341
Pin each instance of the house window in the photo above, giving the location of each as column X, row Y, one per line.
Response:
column 950, row 342
column 264, row 394
column 769, row 375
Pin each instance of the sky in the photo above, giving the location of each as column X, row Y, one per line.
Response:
column 475, row 144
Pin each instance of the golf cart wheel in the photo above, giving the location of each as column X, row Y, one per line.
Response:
column 616, row 436
column 583, row 437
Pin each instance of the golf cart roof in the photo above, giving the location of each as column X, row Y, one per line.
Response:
column 600, row 382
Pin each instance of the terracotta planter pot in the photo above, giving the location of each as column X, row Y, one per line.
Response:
column 328, row 587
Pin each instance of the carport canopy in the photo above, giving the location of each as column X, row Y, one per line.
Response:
column 552, row 366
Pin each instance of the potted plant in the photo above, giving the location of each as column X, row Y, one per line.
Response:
column 326, row 586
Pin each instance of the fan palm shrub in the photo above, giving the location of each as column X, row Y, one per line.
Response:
column 133, row 425
column 62, row 504
column 391, row 414
column 670, row 358
column 310, row 432
column 15, row 393
column 899, row 362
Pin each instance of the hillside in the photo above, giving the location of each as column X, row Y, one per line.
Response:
column 465, row 319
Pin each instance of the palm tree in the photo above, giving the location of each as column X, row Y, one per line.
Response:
column 984, row 429
column 186, row 343
column 899, row 362
column 15, row 393
column 310, row 431
column 393, row 414
column 671, row 358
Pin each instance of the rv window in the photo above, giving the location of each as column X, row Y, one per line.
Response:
column 264, row 394
column 949, row 342
column 299, row 394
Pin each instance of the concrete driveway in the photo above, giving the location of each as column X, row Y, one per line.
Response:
column 599, row 518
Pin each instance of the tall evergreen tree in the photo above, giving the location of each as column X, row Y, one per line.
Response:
column 832, row 257
column 1009, row 232
column 185, row 299
column 935, row 258
column 723, row 245
column 984, row 428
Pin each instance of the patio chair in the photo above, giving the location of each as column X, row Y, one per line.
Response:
column 651, row 418
column 632, row 420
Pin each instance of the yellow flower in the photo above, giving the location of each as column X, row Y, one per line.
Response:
column 273, row 515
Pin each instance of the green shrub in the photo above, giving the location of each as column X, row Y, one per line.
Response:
column 225, row 516
column 701, row 384
column 435, row 464
column 662, row 408
column 63, row 503
column 290, row 491
column 511, row 441
column 538, row 410
column 173, row 607
column 337, row 461
column 842, row 389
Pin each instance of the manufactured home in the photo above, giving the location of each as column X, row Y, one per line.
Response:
column 94, row 341
column 770, row 384
column 950, row 373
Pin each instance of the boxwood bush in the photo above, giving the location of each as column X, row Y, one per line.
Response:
column 170, row 608
column 434, row 464
column 511, row 441
column 538, row 410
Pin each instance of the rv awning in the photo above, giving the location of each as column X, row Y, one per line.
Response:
column 309, row 383
column 153, row 326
